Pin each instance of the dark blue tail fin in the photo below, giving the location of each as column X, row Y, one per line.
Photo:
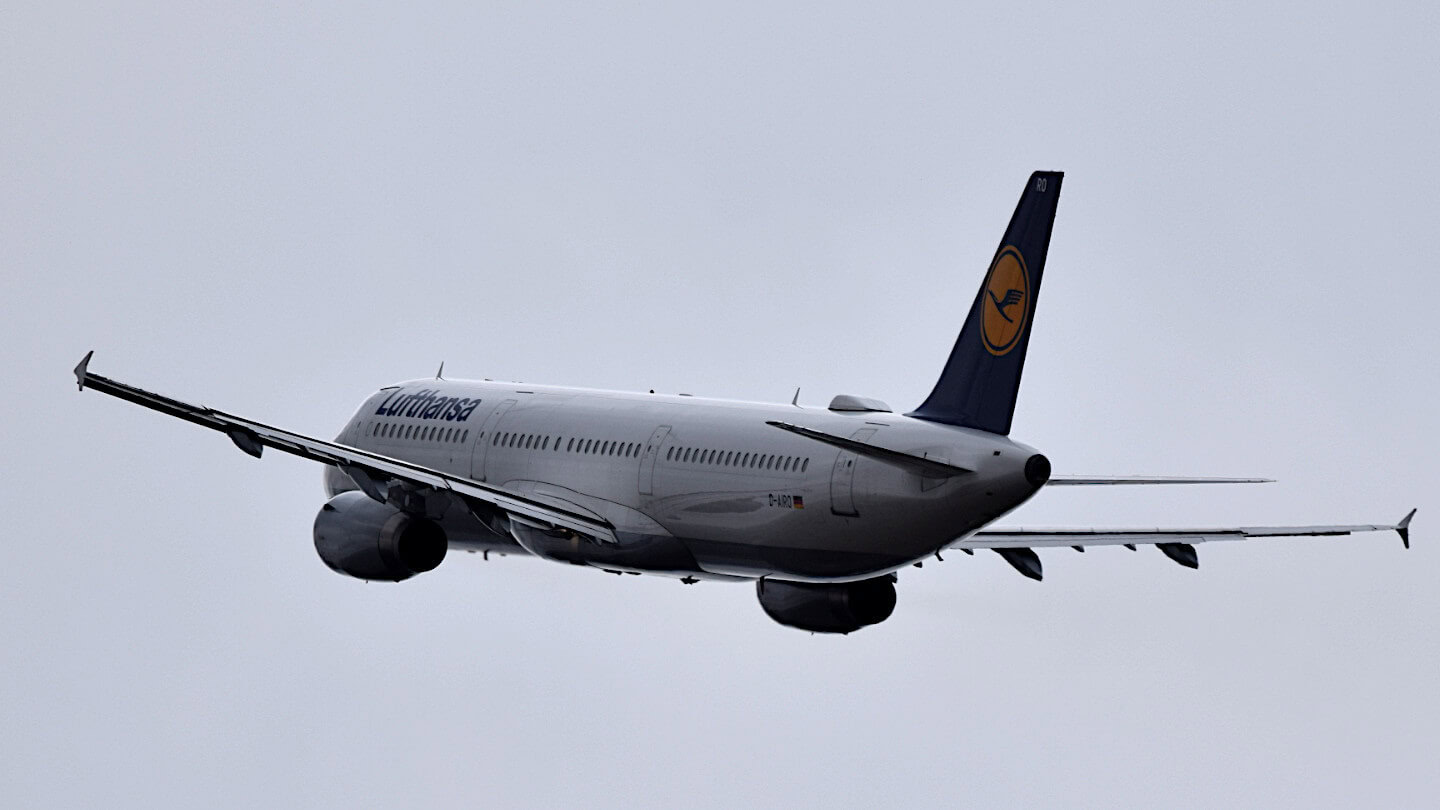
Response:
column 978, row 386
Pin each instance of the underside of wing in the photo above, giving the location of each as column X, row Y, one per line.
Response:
column 1017, row 544
column 407, row 486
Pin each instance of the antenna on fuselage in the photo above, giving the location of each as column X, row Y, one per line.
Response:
column 440, row 372
column 796, row 400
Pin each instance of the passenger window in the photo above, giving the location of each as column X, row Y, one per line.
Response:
column 464, row 437
column 805, row 466
column 669, row 453
column 769, row 462
column 570, row 445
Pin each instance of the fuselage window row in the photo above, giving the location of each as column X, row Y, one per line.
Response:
column 392, row 430
column 733, row 458
column 530, row 441
column 603, row 447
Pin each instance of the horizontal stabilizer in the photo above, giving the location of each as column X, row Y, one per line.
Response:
column 1122, row 480
column 929, row 468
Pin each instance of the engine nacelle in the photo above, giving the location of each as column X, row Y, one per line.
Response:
column 840, row 607
column 366, row 539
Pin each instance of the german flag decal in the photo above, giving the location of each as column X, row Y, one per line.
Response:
column 799, row 502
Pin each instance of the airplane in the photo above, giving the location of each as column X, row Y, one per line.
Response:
column 819, row 507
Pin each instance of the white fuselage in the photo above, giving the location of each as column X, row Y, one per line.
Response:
column 696, row 487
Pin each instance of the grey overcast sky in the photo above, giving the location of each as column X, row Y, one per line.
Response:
column 276, row 208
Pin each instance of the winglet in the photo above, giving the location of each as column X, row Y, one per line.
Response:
column 83, row 369
column 1403, row 528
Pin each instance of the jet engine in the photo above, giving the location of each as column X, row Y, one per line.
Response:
column 839, row 607
column 366, row 539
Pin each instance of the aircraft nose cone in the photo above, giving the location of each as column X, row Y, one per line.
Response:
column 1037, row 470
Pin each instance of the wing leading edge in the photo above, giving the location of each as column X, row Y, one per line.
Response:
column 401, row 483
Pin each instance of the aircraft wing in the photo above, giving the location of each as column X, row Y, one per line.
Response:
column 1016, row 544
column 401, row 483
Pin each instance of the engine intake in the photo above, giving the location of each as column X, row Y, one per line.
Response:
column 841, row 607
column 363, row 538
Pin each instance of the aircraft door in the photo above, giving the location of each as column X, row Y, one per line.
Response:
column 842, row 477
column 647, row 461
column 486, row 439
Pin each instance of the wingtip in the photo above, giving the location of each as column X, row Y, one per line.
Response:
column 83, row 369
column 1403, row 528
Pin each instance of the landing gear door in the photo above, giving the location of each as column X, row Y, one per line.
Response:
column 647, row 461
column 487, row 439
column 842, row 477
